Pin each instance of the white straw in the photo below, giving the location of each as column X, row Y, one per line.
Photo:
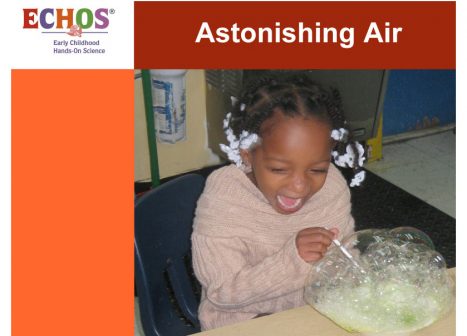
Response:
column 348, row 255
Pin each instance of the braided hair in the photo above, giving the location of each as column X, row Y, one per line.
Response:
column 295, row 95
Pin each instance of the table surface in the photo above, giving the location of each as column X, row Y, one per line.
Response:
column 305, row 321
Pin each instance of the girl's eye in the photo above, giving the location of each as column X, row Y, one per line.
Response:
column 278, row 170
column 319, row 171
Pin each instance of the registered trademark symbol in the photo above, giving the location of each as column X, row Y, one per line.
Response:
column 112, row 11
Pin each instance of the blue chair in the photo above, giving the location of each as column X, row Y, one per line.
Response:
column 167, row 290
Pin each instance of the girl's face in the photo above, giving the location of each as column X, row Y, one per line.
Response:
column 291, row 163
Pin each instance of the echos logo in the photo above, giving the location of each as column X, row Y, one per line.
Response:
column 59, row 18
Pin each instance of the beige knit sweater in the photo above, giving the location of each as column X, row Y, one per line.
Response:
column 244, row 252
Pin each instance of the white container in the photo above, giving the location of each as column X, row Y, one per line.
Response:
column 169, row 107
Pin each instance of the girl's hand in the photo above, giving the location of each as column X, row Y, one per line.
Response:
column 312, row 243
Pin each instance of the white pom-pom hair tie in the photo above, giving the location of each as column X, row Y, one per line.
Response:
column 340, row 134
column 245, row 141
column 349, row 158
column 358, row 179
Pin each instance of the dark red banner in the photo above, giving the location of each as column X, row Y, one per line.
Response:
column 294, row 35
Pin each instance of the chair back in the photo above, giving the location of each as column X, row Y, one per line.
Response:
column 164, row 279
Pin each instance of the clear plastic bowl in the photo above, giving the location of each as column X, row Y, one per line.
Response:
column 400, row 283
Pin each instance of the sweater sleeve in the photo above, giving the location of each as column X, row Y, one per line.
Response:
column 240, row 286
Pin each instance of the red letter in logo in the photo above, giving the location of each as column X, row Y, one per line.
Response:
column 30, row 18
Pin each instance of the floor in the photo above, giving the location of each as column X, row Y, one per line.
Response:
column 425, row 167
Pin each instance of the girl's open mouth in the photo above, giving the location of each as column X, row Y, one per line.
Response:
column 289, row 204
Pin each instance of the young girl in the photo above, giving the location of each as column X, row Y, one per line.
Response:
column 261, row 224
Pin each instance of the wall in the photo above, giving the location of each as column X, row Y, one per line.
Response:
column 414, row 99
column 190, row 154
column 417, row 99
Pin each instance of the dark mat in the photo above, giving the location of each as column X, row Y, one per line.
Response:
column 380, row 204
